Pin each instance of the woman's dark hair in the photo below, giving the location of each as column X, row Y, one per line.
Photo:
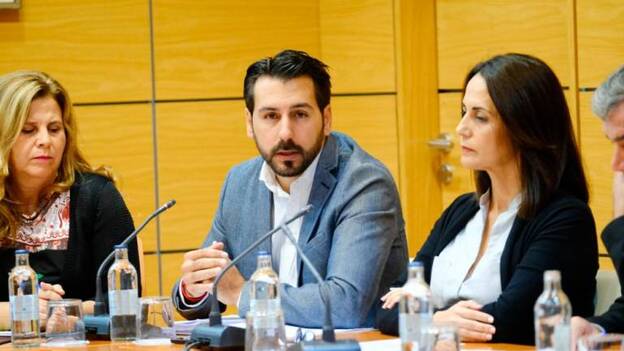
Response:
column 531, row 104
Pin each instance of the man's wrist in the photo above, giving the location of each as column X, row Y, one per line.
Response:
column 187, row 295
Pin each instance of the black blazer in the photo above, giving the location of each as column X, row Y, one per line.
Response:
column 613, row 238
column 561, row 236
column 98, row 220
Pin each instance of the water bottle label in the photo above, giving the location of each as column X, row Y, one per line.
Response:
column 24, row 308
column 266, row 321
column 123, row 302
column 562, row 337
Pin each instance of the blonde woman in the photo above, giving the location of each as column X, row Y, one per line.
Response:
column 52, row 202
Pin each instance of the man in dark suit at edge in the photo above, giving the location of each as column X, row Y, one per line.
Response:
column 608, row 104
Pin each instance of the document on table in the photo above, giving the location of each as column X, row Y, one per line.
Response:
column 381, row 345
column 292, row 332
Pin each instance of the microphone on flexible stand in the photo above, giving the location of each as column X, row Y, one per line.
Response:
column 328, row 340
column 215, row 334
column 99, row 323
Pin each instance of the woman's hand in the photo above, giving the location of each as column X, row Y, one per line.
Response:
column 48, row 292
column 392, row 297
column 581, row 327
column 471, row 323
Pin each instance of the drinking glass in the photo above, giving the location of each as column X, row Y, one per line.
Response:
column 440, row 337
column 64, row 325
column 155, row 321
column 601, row 342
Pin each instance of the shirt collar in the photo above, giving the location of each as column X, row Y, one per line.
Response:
column 514, row 205
column 301, row 184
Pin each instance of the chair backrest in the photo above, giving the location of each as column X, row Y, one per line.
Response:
column 607, row 290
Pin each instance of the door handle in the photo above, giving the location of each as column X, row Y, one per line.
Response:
column 444, row 143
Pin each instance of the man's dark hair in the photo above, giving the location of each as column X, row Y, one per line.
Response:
column 286, row 65
column 531, row 104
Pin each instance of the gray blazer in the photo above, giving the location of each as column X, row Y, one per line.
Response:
column 354, row 236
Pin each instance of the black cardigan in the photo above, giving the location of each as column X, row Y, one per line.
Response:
column 561, row 236
column 613, row 238
column 99, row 219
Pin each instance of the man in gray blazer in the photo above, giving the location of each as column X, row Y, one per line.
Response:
column 354, row 236
column 608, row 104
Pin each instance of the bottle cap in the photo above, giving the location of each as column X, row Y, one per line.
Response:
column 121, row 246
column 21, row 252
column 263, row 253
column 552, row 275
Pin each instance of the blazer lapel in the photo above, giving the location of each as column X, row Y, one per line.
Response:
column 510, row 250
column 456, row 224
column 324, row 182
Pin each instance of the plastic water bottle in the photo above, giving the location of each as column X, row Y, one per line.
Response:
column 552, row 316
column 122, row 296
column 24, row 303
column 415, row 309
column 265, row 319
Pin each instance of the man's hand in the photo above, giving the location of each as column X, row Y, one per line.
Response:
column 580, row 327
column 618, row 194
column 202, row 266
column 471, row 323
column 48, row 292
column 230, row 286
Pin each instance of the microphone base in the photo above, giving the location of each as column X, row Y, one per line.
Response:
column 97, row 327
column 319, row 345
column 218, row 336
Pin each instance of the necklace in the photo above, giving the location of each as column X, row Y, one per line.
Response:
column 43, row 207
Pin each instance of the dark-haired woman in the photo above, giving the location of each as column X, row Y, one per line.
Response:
column 486, row 255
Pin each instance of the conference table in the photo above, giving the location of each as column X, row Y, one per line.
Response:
column 360, row 336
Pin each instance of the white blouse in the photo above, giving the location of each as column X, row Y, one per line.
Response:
column 451, row 266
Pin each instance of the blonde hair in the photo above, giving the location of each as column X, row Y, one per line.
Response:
column 17, row 91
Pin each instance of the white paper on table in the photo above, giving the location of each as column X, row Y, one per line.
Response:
column 378, row 345
column 185, row 327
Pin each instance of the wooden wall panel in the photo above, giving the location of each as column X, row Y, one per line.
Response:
column 606, row 264
column 597, row 151
column 569, row 96
column 470, row 31
column 99, row 50
column 197, row 144
column 151, row 277
column 357, row 42
column 600, row 39
column 120, row 136
column 371, row 122
column 170, row 273
column 417, row 116
column 203, row 48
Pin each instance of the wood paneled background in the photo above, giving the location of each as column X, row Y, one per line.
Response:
column 158, row 88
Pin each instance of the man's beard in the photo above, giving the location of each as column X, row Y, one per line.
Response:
column 289, row 168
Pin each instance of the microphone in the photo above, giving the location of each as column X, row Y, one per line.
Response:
column 99, row 323
column 328, row 340
column 215, row 334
